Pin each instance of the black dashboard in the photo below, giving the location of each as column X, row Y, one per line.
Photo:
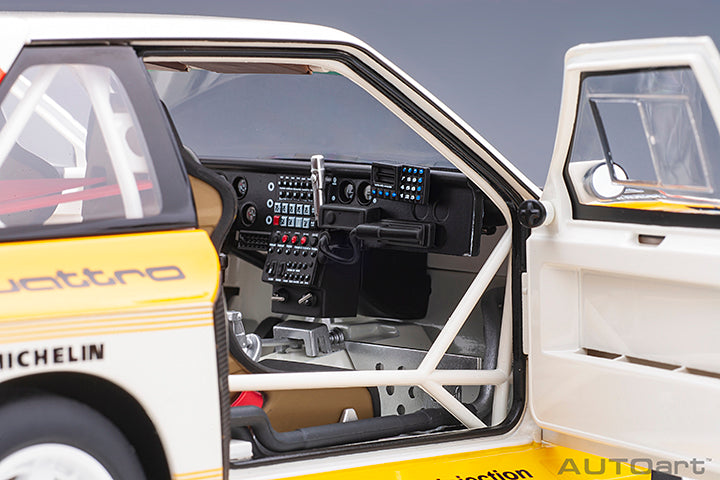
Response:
column 365, row 250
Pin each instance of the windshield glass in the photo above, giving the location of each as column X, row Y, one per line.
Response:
column 287, row 116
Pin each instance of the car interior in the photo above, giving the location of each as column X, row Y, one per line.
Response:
column 364, row 276
column 348, row 241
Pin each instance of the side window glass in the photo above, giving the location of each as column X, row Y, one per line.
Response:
column 646, row 140
column 71, row 150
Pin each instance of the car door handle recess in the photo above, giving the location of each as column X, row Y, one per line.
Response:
column 653, row 240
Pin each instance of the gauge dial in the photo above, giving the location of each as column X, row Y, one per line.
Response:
column 364, row 193
column 249, row 214
column 241, row 186
column 346, row 191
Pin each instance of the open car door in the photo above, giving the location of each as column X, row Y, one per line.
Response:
column 623, row 289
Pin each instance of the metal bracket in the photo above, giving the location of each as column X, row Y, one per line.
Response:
column 249, row 342
column 315, row 336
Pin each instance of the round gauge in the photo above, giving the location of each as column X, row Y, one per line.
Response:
column 241, row 186
column 346, row 191
column 249, row 214
column 364, row 193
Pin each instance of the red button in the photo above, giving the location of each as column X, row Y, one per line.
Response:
column 284, row 239
column 276, row 220
column 294, row 239
column 303, row 240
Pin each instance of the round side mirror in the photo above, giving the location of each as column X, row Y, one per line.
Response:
column 601, row 184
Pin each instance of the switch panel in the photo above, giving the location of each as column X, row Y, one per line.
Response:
column 292, row 258
column 400, row 183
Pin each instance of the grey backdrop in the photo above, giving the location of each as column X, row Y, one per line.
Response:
column 497, row 64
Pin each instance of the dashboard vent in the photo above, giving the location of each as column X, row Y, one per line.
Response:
column 252, row 240
column 384, row 175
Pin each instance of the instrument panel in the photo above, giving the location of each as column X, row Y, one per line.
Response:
column 283, row 199
column 375, row 221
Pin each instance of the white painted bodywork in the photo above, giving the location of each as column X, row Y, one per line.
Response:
column 595, row 285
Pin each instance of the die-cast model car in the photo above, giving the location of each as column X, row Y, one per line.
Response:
column 250, row 249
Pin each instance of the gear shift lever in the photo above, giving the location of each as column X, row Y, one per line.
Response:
column 317, row 177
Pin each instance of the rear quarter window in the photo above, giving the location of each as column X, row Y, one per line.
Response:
column 85, row 148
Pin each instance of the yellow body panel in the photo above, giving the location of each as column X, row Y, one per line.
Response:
column 101, row 275
column 535, row 461
column 135, row 310
column 665, row 205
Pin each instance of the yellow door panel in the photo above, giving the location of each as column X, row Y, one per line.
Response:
column 109, row 274
column 535, row 461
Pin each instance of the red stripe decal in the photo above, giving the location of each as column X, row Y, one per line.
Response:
column 56, row 199
column 2, row 74
column 36, row 187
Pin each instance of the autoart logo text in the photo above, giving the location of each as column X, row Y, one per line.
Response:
column 89, row 278
column 638, row 466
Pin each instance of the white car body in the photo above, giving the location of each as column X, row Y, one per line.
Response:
column 645, row 294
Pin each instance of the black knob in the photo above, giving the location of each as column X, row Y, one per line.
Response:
column 531, row 213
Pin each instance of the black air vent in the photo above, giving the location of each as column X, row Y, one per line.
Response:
column 384, row 175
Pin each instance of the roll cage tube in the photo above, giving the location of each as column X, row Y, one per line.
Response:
column 426, row 376
column 57, row 117
column 96, row 85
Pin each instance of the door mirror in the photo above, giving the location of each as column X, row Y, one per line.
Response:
column 601, row 184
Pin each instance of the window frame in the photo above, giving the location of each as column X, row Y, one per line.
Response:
column 370, row 74
column 607, row 213
column 177, row 210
